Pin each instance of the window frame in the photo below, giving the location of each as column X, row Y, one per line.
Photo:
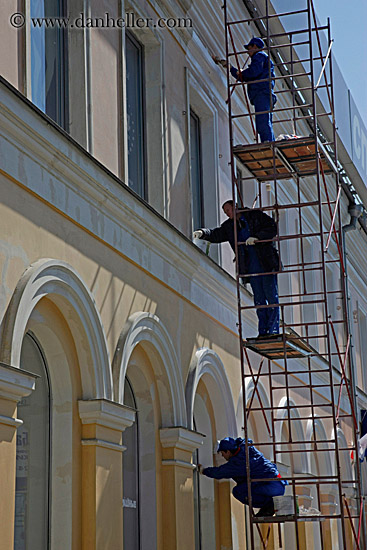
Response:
column 196, row 118
column 142, row 84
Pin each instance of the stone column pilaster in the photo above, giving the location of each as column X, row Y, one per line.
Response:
column 178, row 444
column 14, row 385
column 102, row 514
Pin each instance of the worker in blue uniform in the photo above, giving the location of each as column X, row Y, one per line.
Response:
column 254, row 258
column 260, row 94
column 233, row 451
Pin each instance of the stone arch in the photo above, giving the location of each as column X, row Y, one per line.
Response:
column 208, row 365
column 146, row 330
column 300, row 459
column 62, row 285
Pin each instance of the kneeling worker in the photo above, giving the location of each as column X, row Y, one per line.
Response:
column 254, row 257
column 233, row 450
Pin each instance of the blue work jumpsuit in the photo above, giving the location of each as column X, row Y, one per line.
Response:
column 264, row 287
column 260, row 94
column 260, row 468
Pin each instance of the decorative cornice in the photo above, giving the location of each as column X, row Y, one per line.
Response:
column 15, row 383
column 181, row 438
column 10, row 421
column 104, row 444
column 106, row 413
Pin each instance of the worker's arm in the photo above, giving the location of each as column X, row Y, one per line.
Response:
column 253, row 72
column 226, row 471
column 216, row 235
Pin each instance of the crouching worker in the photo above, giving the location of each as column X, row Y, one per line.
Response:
column 233, row 450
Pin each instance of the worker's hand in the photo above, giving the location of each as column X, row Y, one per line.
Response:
column 251, row 240
column 199, row 468
column 219, row 61
column 198, row 234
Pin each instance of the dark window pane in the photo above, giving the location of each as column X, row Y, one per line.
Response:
column 135, row 115
column 49, row 76
column 196, row 172
column 32, row 459
column 131, row 478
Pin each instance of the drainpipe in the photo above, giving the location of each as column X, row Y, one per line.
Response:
column 355, row 211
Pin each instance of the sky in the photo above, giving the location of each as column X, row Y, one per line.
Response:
column 348, row 19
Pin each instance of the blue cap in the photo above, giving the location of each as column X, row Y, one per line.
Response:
column 255, row 42
column 227, row 444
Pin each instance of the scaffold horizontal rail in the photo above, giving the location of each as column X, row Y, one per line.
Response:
column 292, row 372
column 292, row 518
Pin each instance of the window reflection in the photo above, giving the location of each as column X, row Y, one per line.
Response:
column 32, row 456
column 196, row 171
column 49, row 78
column 135, row 114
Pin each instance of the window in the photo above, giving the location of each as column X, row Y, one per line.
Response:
column 49, row 74
column 135, row 115
column 331, row 286
column 248, row 188
column 130, row 480
column 31, row 530
column 308, row 279
column 196, row 172
column 239, row 187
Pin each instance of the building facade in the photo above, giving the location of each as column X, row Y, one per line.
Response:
column 119, row 353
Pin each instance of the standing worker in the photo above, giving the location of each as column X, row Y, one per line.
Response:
column 233, row 450
column 260, row 94
column 253, row 257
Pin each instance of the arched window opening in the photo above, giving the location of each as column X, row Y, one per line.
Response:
column 204, row 495
column 32, row 503
column 130, row 480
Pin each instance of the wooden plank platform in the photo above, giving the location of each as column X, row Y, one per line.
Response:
column 292, row 157
column 273, row 348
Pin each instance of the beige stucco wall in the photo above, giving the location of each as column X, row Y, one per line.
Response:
column 140, row 268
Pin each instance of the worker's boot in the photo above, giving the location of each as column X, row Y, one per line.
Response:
column 267, row 510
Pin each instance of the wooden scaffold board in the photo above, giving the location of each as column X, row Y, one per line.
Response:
column 284, row 159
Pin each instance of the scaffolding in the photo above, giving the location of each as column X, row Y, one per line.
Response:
column 298, row 386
